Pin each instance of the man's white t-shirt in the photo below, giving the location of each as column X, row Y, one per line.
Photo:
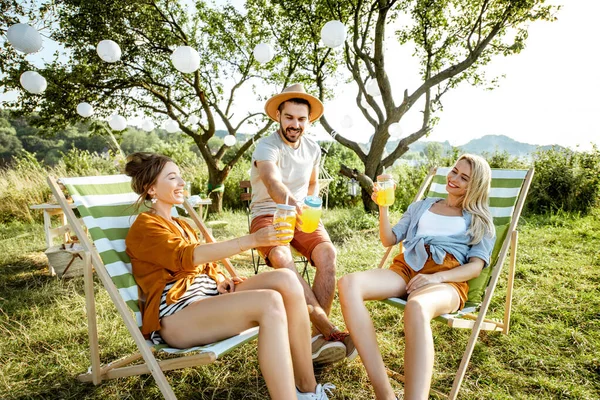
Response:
column 295, row 165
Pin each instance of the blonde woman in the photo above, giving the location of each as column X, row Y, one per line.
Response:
column 446, row 243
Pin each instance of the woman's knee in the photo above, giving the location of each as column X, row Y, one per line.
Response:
column 416, row 311
column 287, row 283
column 348, row 286
column 270, row 305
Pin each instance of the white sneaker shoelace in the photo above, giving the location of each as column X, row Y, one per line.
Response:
column 324, row 390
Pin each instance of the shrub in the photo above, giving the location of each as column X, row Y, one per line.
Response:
column 565, row 180
column 231, row 196
column 502, row 159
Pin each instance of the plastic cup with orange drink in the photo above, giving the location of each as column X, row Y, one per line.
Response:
column 287, row 214
column 311, row 214
column 385, row 190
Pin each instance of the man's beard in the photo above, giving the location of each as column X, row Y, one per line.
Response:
column 285, row 133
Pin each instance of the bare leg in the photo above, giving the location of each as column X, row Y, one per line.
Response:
column 324, row 258
column 281, row 257
column 354, row 289
column 422, row 306
column 223, row 316
column 285, row 282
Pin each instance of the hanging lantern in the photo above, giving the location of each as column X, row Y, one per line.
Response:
column 109, row 51
column 24, row 38
column 394, row 130
column 353, row 187
column 85, row 109
column 333, row 34
column 148, row 125
column 193, row 120
column 229, row 140
column 117, row 123
column 172, row 126
column 33, row 82
column 185, row 59
column 347, row 122
column 373, row 88
column 263, row 53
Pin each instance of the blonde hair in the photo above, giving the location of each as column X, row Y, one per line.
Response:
column 476, row 199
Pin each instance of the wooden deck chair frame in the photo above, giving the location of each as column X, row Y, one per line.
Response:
column 257, row 260
column 470, row 320
column 122, row 368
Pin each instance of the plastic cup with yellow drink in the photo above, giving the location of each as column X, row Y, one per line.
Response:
column 286, row 214
column 311, row 214
column 385, row 190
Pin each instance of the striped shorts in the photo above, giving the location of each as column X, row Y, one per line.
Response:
column 202, row 287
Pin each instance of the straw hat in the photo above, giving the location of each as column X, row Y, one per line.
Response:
column 291, row 92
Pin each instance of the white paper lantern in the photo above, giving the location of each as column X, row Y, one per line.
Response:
column 85, row 109
column 171, row 126
column 185, row 59
column 229, row 140
column 33, row 82
column 347, row 122
column 148, row 125
column 109, row 51
column 373, row 88
column 24, row 38
column 117, row 123
column 193, row 120
column 395, row 130
column 263, row 52
column 333, row 34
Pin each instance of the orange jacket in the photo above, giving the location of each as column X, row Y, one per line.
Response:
column 161, row 255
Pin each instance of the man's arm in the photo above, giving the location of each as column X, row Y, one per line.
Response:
column 271, row 177
column 313, row 184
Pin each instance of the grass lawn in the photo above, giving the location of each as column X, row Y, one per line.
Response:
column 552, row 351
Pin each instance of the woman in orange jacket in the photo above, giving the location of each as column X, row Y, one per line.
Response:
column 186, row 301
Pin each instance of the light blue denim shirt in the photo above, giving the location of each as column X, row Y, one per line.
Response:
column 415, row 253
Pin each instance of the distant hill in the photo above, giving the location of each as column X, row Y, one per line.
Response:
column 488, row 144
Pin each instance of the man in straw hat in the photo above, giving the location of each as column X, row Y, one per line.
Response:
column 285, row 169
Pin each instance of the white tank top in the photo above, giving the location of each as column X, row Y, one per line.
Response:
column 431, row 224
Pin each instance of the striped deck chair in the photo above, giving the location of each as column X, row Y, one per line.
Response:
column 105, row 205
column 508, row 192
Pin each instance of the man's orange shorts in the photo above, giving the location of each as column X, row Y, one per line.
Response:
column 400, row 267
column 304, row 243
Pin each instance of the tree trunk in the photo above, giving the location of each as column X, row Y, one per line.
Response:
column 216, row 188
column 366, row 186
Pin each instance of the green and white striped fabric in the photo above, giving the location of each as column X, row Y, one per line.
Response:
column 107, row 206
column 505, row 188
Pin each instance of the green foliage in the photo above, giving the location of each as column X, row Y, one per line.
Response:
column 231, row 196
column 83, row 163
column 338, row 189
column 408, row 179
column 180, row 152
column 565, row 180
column 504, row 160
column 134, row 140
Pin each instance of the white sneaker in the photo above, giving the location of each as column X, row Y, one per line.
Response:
column 319, row 393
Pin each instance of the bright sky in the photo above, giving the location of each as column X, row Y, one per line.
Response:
column 547, row 97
